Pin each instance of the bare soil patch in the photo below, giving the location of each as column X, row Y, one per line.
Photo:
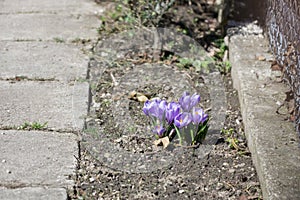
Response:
column 117, row 157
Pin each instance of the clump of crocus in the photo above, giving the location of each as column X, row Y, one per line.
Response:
column 184, row 118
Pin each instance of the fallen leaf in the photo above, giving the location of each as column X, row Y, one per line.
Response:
column 261, row 58
column 162, row 141
column 165, row 141
column 293, row 118
column 142, row 98
column 132, row 95
column 243, row 197
column 157, row 142
column 276, row 67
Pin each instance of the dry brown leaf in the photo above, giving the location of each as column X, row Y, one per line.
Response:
column 162, row 141
column 165, row 141
column 276, row 67
column 132, row 95
column 261, row 58
column 157, row 142
column 142, row 98
column 243, row 197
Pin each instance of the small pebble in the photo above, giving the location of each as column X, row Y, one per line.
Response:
column 231, row 170
column 240, row 165
column 219, row 186
column 181, row 191
column 8, row 171
column 91, row 180
column 3, row 161
column 225, row 164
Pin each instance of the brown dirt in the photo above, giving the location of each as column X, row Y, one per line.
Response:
column 225, row 171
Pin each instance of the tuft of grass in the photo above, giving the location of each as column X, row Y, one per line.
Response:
column 59, row 40
column 197, row 64
column 220, row 44
column 33, row 126
column 93, row 132
column 131, row 14
column 224, row 67
column 231, row 139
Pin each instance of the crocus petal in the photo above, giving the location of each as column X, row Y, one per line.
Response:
column 172, row 111
column 183, row 99
column 197, row 115
column 183, row 119
column 204, row 118
column 187, row 102
column 159, row 130
column 162, row 107
column 146, row 107
column 195, row 99
column 153, row 107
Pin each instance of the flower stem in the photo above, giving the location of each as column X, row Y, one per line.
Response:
column 179, row 136
column 192, row 136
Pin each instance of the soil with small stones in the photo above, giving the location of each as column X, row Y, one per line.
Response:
column 225, row 171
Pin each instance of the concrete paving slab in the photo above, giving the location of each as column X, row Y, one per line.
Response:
column 46, row 60
column 272, row 140
column 65, row 28
column 49, row 6
column 33, row 158
column 33, row 193
column 62, row 106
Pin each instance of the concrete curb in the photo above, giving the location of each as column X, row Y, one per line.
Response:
column 272, row 141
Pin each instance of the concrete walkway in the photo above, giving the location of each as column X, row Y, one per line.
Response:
column 42, row 79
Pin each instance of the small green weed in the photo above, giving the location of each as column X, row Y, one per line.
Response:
column 82, row 80
column 197, row 64
column 129, row 14
column 220, row 44
column 59, row 40
column 231, row 139
column 33, row 126
column 132, row 129
column 106, row 103
column 93, row 132
column 224, row 67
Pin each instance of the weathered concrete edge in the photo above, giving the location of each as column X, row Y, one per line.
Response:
column 33, row 193
column 272, row 141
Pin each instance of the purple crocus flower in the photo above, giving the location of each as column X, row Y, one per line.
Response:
column 159, row 130
column 183, row 119
column 172, row 111
column 198, row 115
column 187, row 102
column 155, row 108
column 147, row 106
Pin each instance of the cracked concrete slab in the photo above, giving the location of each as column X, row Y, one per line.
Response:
column 48, row 27
column 41, row 43
column 34, row 158
column 272, row 140
column 62, row 106
column 30, row 193
column 50, row 6
column 42, row 60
